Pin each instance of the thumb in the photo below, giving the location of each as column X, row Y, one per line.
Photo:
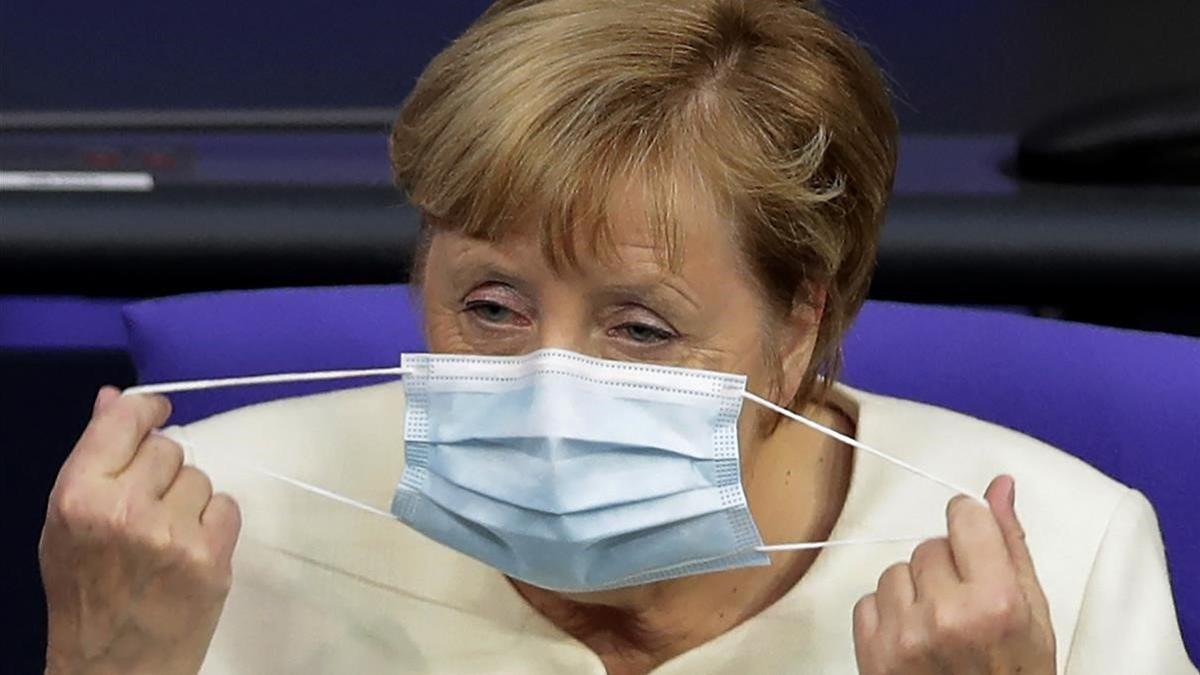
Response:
column 1001, row 495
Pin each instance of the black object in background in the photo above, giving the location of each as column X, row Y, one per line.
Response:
column 45, row 402
column 982, row 66
column 1149, row 139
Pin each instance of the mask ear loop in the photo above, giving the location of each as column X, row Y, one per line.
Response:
column 854, row 442
column 193, row 385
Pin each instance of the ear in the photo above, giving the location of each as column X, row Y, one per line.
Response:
column 799, row 337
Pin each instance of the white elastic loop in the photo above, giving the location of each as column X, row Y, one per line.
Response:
column 806, row 546
column 322, row 492
column 862, row 446
column 170, row 387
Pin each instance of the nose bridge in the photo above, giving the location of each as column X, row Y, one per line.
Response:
column 563, row 320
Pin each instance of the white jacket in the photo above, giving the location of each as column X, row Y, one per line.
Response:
column 320, row 587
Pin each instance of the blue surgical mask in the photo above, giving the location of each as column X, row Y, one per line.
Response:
column 574, row 473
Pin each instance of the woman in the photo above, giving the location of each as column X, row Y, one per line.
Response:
column 640, row 201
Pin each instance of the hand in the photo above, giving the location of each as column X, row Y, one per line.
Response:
column 970, row 603
column 135, row 551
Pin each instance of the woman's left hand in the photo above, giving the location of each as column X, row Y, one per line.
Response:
column 965, row 604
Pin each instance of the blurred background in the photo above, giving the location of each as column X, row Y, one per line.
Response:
column 1049, row 165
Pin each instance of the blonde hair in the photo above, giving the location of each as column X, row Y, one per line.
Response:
column 782, row 119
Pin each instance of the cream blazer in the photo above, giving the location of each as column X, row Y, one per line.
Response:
column 321, row 587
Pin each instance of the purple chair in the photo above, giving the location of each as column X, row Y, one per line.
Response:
column 1126, row 402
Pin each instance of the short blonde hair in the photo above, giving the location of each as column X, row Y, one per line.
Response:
column 541, row 105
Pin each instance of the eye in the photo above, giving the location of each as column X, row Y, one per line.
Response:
column 491, row 312
column 496, row 305
column 643, row 333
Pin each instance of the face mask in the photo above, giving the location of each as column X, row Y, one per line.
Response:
column 574, row 473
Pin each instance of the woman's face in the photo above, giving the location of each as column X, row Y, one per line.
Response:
column 505, row 298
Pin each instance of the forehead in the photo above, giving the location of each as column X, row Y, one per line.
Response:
column 674, row 225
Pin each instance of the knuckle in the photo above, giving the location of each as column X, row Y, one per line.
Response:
column 159, row 543
column 69, row 502
column 894, row 572
column 230, row 513
column 1004, row 611
column 199, row 559
column 863, row 616
column 982, row 621
column 924, row 548
column 211, row 573
column 110, row 427
column 195, row 480
column 162, row 404
column 960, row 506
column 927, row 549
column 895, row 576
column 137, row 520
column 911, row 645
column 201, row 479
column 862, row 606
column 76, row 508
column 947, row 623
column 163, row 447
column 122, row 413
column 205, row 481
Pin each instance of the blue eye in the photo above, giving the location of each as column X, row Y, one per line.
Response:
column 490, row 312
column 644, row 334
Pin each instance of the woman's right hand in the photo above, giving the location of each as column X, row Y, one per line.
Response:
column 136, row 549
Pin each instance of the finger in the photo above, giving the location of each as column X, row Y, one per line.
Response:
column 895, row 595
column 112, row 437
column 976, row 541
column 189, row 493
column 104, row 396
column 866, row 627
column 1001, row 495
column 155, row 465
column 933, row 569
column 221, row 522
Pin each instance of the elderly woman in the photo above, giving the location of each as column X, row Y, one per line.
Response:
column 647, row 226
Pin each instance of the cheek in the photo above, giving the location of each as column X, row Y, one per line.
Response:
column 443, row 332
column 764, row 378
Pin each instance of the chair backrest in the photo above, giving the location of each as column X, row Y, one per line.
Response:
column 1124, row 401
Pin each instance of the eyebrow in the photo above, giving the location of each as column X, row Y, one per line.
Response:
column 658, row 286
column 661, row 290
column 484, row 259
column 463, row 275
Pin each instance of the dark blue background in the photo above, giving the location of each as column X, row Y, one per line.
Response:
column 155, row 54
column 959, row 65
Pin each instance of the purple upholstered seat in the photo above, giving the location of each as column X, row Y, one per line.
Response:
column 1124, row 401
column 208, row 335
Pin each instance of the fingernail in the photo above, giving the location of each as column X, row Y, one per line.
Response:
column 1012, row 492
